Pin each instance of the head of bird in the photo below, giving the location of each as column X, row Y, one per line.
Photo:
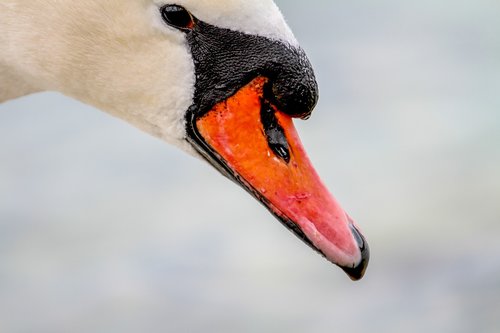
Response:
column 221, row 79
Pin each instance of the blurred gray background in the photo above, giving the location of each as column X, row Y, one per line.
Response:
column 105, row 229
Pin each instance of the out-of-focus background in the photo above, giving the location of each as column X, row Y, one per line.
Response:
column 105, row 229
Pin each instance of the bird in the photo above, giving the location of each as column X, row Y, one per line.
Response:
column 222, row 80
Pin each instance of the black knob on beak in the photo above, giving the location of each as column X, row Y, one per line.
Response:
column 230, row 59
column 294, row 89
column 295, row 95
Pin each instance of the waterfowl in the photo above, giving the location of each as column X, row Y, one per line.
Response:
column 220, row 79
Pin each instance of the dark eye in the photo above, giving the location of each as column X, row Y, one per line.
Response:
column 177, row 17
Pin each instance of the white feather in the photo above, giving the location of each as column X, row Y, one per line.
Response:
column 118, row 55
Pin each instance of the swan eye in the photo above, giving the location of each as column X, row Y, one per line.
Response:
column 177, row 17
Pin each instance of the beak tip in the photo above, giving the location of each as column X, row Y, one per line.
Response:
column 357, row 272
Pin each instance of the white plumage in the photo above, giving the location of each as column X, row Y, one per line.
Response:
column 117, row 55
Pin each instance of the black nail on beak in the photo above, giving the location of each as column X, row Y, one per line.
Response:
column 357, row 272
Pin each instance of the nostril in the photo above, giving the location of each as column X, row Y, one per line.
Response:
column 275, row 134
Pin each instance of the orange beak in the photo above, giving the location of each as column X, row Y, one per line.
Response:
column 259, row 147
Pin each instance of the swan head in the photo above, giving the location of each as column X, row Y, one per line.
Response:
column 221, row 79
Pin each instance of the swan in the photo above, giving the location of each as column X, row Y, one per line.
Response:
column 220, row 79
